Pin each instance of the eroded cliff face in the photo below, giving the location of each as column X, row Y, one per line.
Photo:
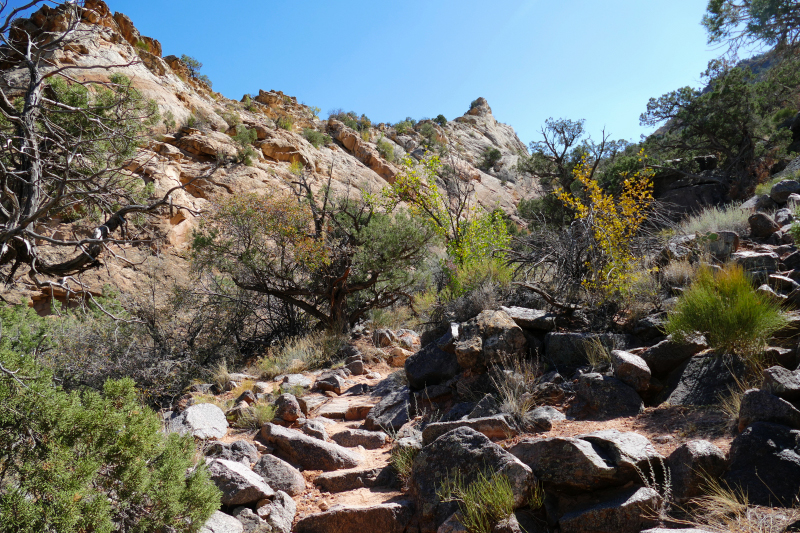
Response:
column 110, row 43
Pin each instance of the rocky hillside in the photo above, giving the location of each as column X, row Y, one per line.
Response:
column 198, row 124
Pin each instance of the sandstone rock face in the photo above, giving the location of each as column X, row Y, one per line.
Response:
column 769, row 452
column 222, row 523
column 280, row 475
column 689, row 463
column 387, row 517
column 308, row 452
column 239, row 484
column 483, row 340
column 203, row 421
column 468, row 452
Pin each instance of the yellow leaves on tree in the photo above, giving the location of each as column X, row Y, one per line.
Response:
column 612, row 223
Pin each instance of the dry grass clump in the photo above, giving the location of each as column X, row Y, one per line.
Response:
column 513, row 379
column 255, row 416
column 597, row 353
column 714, row 219
column 299, row 354
column 678, row 273
column 727, row 510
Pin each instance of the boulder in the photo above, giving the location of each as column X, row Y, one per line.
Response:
column 356, row 368
column 765, row 463
column 391, row 412
column 220, row 522
column 239, row 485
column 239, row 451
column 295, row 380
column 762, row 225
column 330, row 381
column 488, row 337
column 496, row 427
column 382, row 338
column 780, row 191
column 469, row 453
column 567, row 351
column 346, row 480
column 352, row 438
column 534, row 319
column 280, row 475
column 724, row 244
column 307, row 452
column 314, row 428
column 603, row 397
column 668, row 354
column 756, row 261
column 278, row 513
column 783, row 217
column 631, row 370
column 398, row 357
column 430, row 366
column 202, row 421
column 287, row 408
column 701, row 380
column 487, row 406
column 207, row 144
column 630, row 452
column 250, row 520
column 782, row 382
column 616, row 511
column 543, row 417
column 688, row 465
column 387, row 518
column 762, row 406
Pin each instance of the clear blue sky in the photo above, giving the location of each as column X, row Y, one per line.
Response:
column 531, row 59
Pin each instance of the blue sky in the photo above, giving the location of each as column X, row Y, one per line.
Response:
column 531, row 59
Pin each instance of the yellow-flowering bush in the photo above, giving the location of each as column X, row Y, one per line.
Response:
column 611, row 223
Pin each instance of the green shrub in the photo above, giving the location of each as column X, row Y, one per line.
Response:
column 351, row 119
column 402, row 460
column 403, row 127
column 316, row 138
column 245, row 138
column 249, row 104
column 142, row 45
column 489, row 158
column 87, row 461
column 728, row 311
column 475, row 103
column 386, row 149
column 483, row 503
column 255, row 416
column 285, row 122
column 169, row 121
column 231, row 118
column 440, row 120
column 296, row 168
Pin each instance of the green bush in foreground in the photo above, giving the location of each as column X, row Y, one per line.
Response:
column 728, row 311
column 483, row 503
column 78, row 462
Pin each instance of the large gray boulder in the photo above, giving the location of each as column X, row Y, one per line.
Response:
column 753, row 261
column 308, row 452
column 431, row 366
column 391, row 412
column 220, row 522
column 280, row 475
column 668, row 354
column 278, row 513
column 690, row 463
column 542, row 417
column 780, row 191
column 240, row 451
column 287, row 408
column 702, row 380
column 566, row 351
column 599, row 460
column 239, row 485
column 468, row 453
column 487, row 338
column 202, row 421
column 534, row 319
column 352, row 438
column 782, row 382
column 762, row 225
column 765, row 464
column 631, row 370
column 761, row 406
column 616, row 511
column 387, row 518
column 496, row 427
column 602, row 397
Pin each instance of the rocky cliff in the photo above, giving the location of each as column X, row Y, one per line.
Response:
column 109, row 42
